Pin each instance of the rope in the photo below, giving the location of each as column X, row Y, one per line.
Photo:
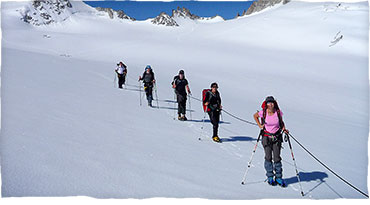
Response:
column 345, row 181
column 335, row 174
column 238, row 118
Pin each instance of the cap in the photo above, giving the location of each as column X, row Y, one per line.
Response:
column 269, row 99
column 214, row 85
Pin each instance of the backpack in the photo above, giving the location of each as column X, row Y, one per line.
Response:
column 204, row 92
column 264, row 107
column 175, row 79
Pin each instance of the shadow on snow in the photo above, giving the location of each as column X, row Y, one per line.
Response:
column 238, row 138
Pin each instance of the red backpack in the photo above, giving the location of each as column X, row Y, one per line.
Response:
column 204, row 92
column 264, row 108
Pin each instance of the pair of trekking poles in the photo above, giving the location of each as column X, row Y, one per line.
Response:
column 115, row 80
column 155, row 90
column 174, row 105
column 287, row 139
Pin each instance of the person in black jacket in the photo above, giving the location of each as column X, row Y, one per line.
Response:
column 148, row 80
column 213, row 103
column 121, row 71
column 181, row 85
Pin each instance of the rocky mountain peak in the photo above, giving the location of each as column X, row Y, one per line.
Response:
column 164, row 19
column 184, row 13
column 44, row 12
column 115, row 13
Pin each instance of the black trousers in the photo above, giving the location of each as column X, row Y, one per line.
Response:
column 148, row 88
column 181, row 101
column 214, row 116
column 121, row 79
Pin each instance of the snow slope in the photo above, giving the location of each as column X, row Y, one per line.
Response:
column 67, row 131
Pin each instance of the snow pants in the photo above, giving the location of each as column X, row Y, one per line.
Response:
column 121, row 79
column 272, row 153
column 181, row 101
column 148, row 88
column 214, row 117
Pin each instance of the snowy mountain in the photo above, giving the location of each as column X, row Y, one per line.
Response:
column 164, row 19
column 184, row 13
column 45, row 12
column 115, row 14
column 67, row 130
column 184, row 16
column 216, row 18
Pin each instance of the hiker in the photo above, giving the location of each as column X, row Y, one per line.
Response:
column 148, row 80
column 272, row 126
column 121, row 71
column 180, row 86
column 212, row 101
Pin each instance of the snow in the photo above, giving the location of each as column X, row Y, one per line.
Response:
column 214, row 19
column 67, row 131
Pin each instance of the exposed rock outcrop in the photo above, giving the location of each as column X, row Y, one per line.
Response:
column 263, row 4
column 164, row 19
column 184, row 13
column 44, row 12
column 113, row 13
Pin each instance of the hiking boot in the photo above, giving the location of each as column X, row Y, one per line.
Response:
column 184, row 118
column 280, row 182
column 216, row 139
column 179, row 117
column 271, row 181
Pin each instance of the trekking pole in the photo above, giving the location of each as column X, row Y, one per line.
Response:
column 114, row 82
column 140, row 92
column 126, row 80
column 156, row 95
column 191, row 116
column 202, row 128
column 250, row 160
column 295, row 164
column 174, row 104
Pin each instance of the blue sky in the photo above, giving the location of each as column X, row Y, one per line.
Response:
column 144, row 10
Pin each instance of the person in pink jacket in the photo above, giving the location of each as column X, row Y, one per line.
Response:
column 272, row 125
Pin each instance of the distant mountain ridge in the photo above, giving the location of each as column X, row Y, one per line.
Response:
column 45, row 12
column 184, row 13
column 115, row 13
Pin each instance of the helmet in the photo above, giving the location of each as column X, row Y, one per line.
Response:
column 181, row 72
column 214, row 85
